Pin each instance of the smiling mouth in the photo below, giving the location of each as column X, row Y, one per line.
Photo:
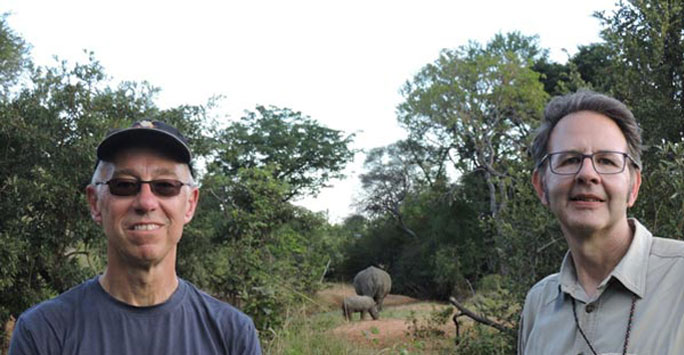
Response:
column 586, row 199
column 145, row 227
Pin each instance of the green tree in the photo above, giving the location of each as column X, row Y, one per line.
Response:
column 444, row 251
column 228, row 251
column 661, row 201
column 297, row 149
column 425, row 231
column 251, row 246
column 14, row 56
column 645, row 39
column 594, row 63
column 480, row 103
column 560, row 79
column 388, row 181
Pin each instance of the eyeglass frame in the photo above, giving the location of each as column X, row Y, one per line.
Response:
column 591, row 158
column 139, row 186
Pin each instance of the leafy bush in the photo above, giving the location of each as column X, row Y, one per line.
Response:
column 483, row 340
column 433, row 326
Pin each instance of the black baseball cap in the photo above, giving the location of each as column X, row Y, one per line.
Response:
column 150, row 134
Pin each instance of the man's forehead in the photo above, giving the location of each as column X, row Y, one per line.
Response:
column 587, row 127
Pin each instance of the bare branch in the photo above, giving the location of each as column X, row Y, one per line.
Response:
column 481, row 319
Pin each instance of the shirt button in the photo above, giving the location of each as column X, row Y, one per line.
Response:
column 590, row 308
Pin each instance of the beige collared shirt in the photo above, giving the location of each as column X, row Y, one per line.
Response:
column 652, row 269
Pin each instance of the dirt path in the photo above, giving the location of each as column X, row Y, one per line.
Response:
column 391, row 329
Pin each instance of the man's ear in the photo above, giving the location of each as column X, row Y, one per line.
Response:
column 91, row 195
column 538, row 183
column 193, row 198
column 634, row 188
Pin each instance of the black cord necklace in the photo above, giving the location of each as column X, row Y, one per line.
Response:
column 629, row 326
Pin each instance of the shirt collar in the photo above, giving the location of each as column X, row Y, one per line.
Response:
column 630, row 271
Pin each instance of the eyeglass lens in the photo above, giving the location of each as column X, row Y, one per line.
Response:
column 130, row 187
column 603, row 162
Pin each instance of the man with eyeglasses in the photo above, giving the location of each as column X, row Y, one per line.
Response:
column 619, row 289
column 142, row 194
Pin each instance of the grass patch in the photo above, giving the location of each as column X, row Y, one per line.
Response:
column 305, row 332
column 323, row 330
column 420, row 309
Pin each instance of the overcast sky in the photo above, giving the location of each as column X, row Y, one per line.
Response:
column 339, row 62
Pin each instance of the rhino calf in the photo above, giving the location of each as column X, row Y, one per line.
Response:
column 360, row 304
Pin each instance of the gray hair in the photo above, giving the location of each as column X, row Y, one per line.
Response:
column 101, row 171
column 587, row 100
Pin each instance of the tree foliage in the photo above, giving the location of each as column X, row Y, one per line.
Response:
column 265, row 254
column 661, row 200
column 479, row 103
column 253, row 248
column 14, row 56
column 389, row 180
column 645, row 43
column 296, row 149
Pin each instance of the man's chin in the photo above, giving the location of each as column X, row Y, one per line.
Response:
column 580, row 227
column 144, row 259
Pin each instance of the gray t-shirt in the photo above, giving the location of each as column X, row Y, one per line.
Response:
column 87, row 320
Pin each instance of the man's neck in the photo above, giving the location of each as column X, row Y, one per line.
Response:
column 139, row 287
column 596, row 255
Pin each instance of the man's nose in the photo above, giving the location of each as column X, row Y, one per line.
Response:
column 587, row 172
column 146, row 200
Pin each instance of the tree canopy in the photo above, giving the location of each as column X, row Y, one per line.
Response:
column 296, row 149
column 14, row 56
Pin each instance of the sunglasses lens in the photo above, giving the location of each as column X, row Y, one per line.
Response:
column 166, row 188
column 129, row 187
column 123, row 187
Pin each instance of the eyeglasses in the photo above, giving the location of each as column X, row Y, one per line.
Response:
column 131, row 187
column 604, row 162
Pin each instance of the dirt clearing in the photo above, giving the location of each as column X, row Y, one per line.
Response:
column 396, row 324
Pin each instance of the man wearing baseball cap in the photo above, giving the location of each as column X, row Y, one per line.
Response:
column 142, row 194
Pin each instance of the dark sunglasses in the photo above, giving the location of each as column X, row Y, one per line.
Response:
column 131, row 187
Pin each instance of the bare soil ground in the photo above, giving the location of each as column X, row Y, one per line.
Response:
column 392, row 328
